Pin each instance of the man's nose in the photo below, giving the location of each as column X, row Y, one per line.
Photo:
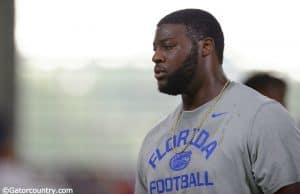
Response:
column 158, row 57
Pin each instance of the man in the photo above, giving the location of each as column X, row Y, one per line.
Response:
column 224, row 138
column 268, row 85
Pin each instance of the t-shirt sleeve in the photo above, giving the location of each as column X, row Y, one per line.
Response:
column 274, row 144
column 140, row 180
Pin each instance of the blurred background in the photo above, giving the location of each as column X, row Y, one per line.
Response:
column 77, row 91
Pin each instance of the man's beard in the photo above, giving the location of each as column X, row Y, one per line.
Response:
column 179, row 80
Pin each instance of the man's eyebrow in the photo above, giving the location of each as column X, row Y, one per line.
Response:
column 166, row 39
column 163, row 40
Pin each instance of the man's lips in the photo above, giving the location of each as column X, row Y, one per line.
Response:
column 160, row 75
column 160, row 72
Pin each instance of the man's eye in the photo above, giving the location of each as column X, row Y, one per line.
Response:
column 169, row 47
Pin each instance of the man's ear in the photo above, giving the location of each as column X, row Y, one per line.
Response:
column 207, row 46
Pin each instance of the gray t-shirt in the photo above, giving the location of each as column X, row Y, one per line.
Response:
column 248, row 145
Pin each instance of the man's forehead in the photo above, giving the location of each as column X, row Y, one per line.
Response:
column 167, row 31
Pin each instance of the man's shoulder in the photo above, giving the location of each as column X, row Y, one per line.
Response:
column 245, row 97
column 243, row 102
column 161, row 127
column 165, row 122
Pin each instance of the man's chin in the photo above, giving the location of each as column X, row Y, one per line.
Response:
column 169, row 91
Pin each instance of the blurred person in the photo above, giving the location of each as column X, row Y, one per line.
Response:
column 14, row 173
column 224, row 137
column 268, row 85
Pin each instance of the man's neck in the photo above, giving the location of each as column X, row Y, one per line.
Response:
column 202, row 94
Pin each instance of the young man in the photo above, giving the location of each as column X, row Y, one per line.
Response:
column 224, row 138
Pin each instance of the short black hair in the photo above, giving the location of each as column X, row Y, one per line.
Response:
column 200, row 24
column 263, row 80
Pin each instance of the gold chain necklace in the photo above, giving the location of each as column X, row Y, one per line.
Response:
column 210, row 109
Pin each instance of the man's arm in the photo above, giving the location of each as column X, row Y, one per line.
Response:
column 290, row 189
column 275, row 150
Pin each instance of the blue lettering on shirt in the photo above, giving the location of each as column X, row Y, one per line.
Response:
column 201, row 139
column 183, row 135
column 169, row 184
column 202, row 142
column 181, row 182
